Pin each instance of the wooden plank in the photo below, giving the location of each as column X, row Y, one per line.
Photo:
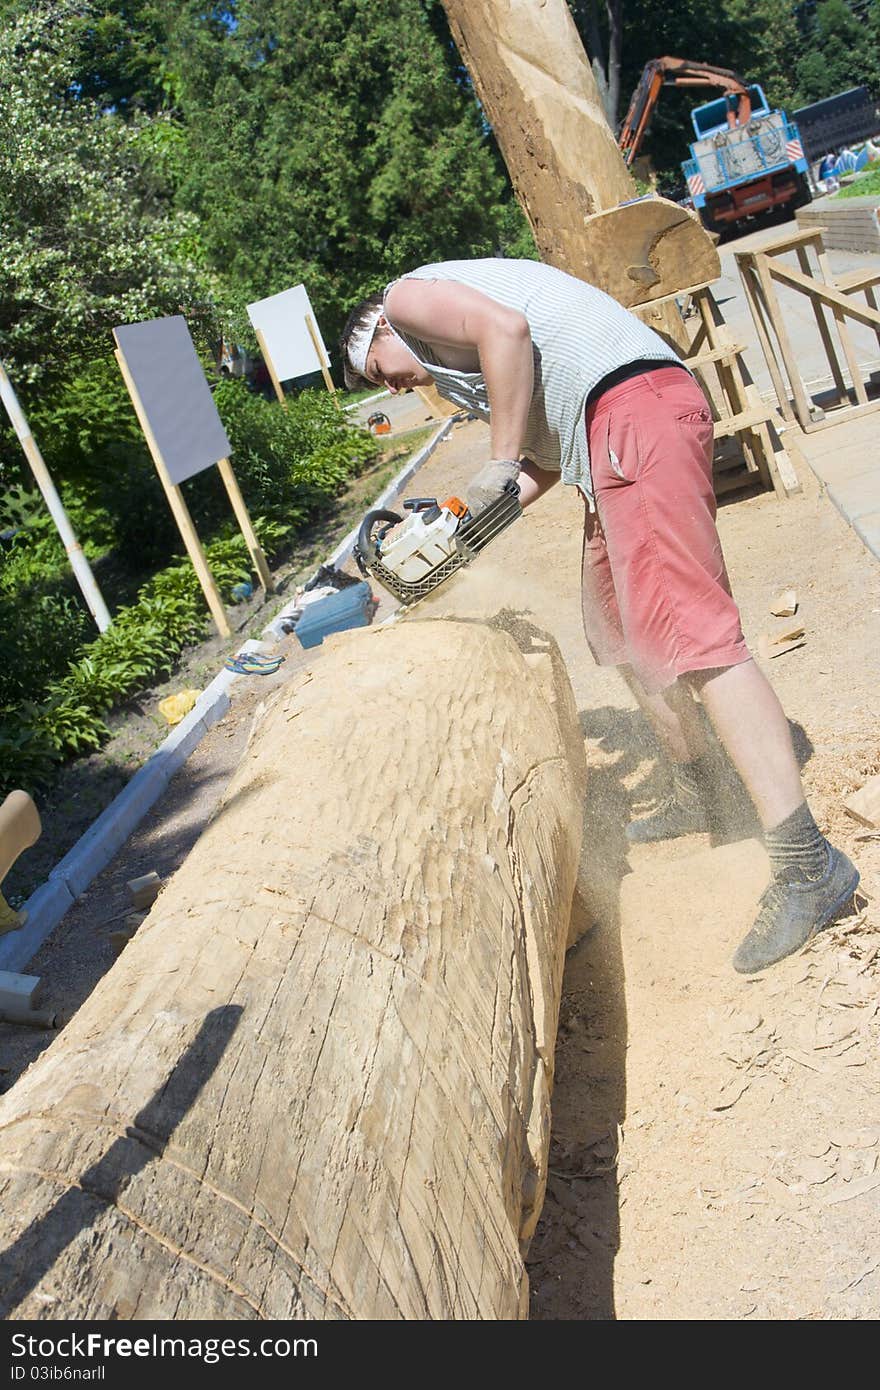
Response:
column 764, row 268
column 745, row 420
column 848, row 412
column 719, row 354
column 864, row 804
column 325, row 365
column 853, row 281
column 826, row 293
column 270, row 368
column 735, row 481
column 824, row 332
column 791, row 240
column 760, row 317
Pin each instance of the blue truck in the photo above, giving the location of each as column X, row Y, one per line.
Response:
column 737, row 171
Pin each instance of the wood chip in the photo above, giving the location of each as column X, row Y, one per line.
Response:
column 864, row 805
column 785, row 605
column 869, row 1269
column 770, row 647
column 857, row 1188
column 863, row 1138
column 814, row 1170
column 805, row 1061
column 818, row 1148
column 732, row 1093
column 144, row 890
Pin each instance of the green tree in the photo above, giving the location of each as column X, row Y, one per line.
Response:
column 335, row 144
column 766, row 44
column 87, row 240
column 840, row 52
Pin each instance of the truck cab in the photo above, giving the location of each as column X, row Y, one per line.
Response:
column 737, row 172
column 714, row 116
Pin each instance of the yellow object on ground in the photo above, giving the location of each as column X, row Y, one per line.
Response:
column 174, row 707
column 10, row 920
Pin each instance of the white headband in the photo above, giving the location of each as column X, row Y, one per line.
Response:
column 359, row 343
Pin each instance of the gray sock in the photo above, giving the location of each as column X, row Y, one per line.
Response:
column 797, row 848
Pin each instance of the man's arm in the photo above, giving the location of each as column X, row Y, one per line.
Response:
column 447, row 314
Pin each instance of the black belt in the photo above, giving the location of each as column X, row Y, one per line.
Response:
column 638, row 368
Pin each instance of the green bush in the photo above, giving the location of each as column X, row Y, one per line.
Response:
column 143, row 643
column 867, row 184
column 291, row 462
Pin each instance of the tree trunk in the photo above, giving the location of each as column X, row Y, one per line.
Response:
column 533, row 78
column 316, row 1084
column 615, row 46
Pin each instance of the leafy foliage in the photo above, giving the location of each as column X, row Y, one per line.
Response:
column 291, row 464
column 85, row 241
column 331, row 144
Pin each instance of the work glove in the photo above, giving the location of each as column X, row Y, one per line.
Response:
column 488, row 485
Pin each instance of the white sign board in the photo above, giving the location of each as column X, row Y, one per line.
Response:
column 281, row 319
column 175, row 396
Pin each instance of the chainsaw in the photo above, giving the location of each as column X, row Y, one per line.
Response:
column 412, row 556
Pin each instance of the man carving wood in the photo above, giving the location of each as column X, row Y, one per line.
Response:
column 575, row 387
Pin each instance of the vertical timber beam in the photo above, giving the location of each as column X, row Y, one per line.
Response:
column 533, row 78
column 534, row 81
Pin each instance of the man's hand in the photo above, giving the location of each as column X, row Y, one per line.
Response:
column 489, row 483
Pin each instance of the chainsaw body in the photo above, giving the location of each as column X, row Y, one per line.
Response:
column 431, row 544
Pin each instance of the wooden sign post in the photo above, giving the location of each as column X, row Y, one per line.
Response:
column 184, row 434
column 289, row 339
column 270, row 367
column 323, row 359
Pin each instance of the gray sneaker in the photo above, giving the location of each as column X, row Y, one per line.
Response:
column 791, row 913
column 670, row 819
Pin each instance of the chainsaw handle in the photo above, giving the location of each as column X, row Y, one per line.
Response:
column 366, row 546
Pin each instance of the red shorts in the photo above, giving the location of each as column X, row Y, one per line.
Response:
column 655, row 590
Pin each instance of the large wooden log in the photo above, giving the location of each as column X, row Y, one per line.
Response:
column 316, row 1084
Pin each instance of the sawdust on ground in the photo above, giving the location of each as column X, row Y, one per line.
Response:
column 715, row 1139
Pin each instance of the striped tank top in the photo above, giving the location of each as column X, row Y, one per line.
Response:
column 579, row 335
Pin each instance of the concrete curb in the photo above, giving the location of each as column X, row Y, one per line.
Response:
column 105, row 837
column 45, row 908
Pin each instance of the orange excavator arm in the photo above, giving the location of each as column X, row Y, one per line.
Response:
column 677, row 72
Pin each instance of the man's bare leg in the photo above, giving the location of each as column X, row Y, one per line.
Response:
column 811, row 881
column 677, row 720
column 750, row 722
column 674, row 716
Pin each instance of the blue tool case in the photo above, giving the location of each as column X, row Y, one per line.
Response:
column 350, row 607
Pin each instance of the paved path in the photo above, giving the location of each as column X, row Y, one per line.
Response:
column 843, row 455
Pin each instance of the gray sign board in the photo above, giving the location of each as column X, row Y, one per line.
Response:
column 175, row 396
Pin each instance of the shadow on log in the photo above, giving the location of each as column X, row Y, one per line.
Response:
column 316, row 1084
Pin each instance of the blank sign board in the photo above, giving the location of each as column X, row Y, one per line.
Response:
column 281, row 319
column 175, row 396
